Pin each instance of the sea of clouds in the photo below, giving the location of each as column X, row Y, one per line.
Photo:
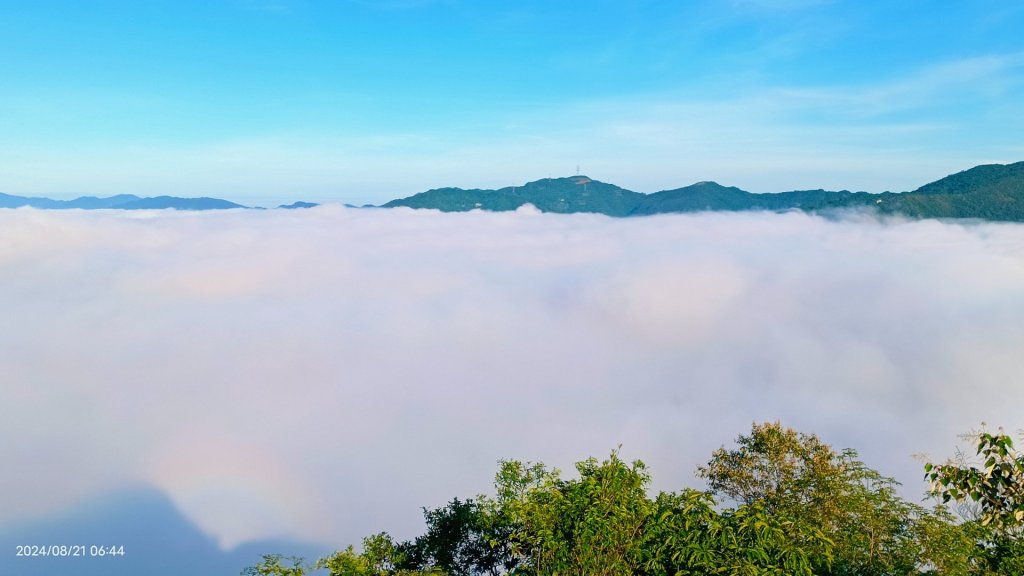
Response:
column 324, row 373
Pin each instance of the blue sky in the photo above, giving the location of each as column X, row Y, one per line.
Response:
column 362, row 101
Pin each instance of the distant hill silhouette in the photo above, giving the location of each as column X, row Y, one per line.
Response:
column 992, row 192
column 158, row 541
column 119, row 202
column 298, row 204
column 162, row 202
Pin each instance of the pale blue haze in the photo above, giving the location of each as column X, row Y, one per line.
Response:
column 362, row 101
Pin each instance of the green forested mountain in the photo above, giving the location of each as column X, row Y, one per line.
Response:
column 711, row 196
column 574, row 194
column 988, row 178
column 991, row 192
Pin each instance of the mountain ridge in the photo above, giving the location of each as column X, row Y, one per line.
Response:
column 988, row 191
column 118, row 202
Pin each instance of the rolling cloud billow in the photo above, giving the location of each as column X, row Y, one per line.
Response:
column 322, row 374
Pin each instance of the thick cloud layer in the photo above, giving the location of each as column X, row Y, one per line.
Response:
column 324, row 373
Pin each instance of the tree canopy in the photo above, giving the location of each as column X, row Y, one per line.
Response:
column 779, row 502
column 993, row 491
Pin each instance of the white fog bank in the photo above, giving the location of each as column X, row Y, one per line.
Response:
column 324, row 373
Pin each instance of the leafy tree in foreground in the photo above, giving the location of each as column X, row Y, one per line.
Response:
column 688, row 536
column 464, row 538
column 272, row 566
column 381, row 556
column 995, row 488
column 800, row 508
column 588, row 526
column 600, row 524
column 798, row 477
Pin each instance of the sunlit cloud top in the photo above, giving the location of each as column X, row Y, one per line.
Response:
column 363, row 101
column 324, row 373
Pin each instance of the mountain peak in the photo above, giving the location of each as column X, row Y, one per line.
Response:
column 567, row 194
column 972, row 179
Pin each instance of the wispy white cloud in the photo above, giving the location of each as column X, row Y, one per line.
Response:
column 983, row 77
